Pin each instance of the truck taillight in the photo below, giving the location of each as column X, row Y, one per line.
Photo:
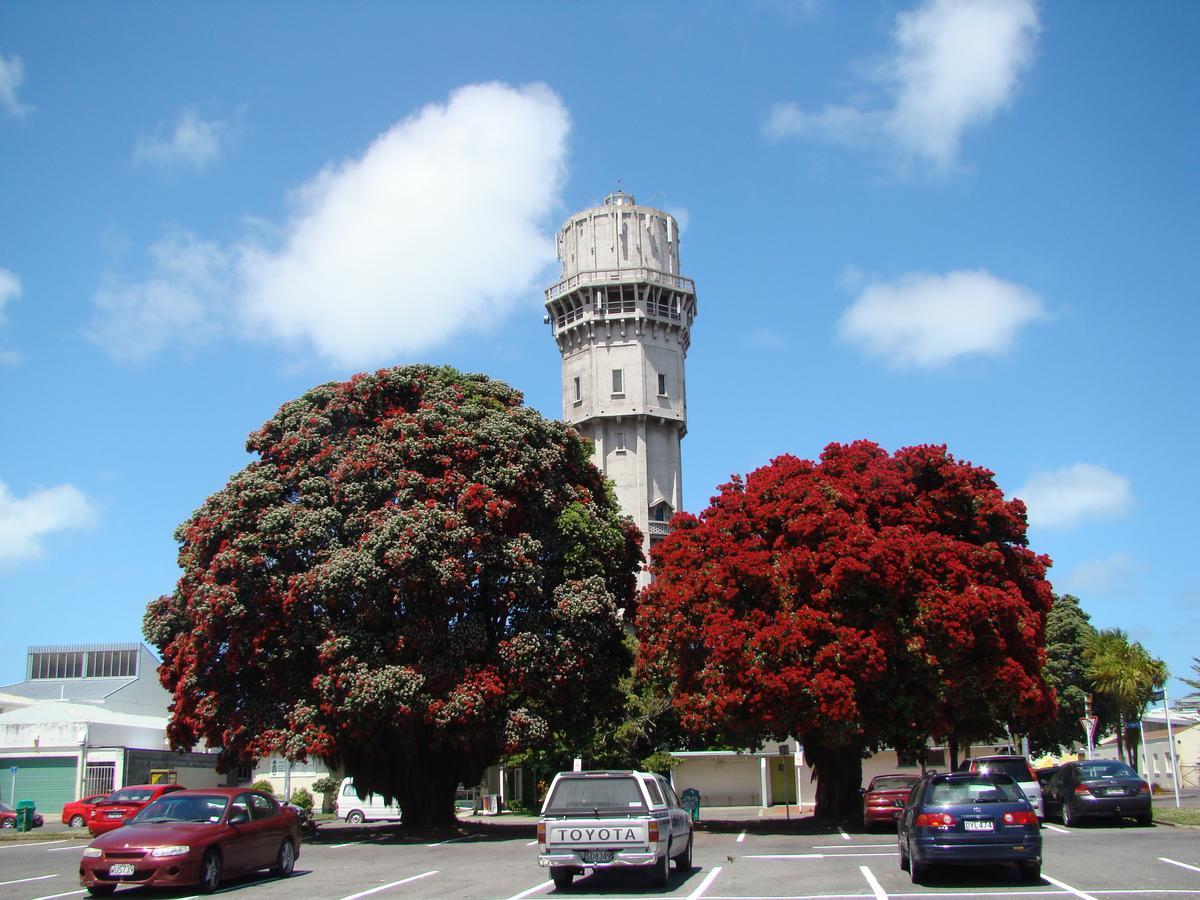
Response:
column 654, row 832
column 541, row 834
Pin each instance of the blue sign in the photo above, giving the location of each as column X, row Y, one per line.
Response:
column 12, row 770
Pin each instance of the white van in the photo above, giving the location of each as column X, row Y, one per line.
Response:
column 356, row 811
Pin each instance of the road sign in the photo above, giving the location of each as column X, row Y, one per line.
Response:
column 1157, row 696
column 1089, row 724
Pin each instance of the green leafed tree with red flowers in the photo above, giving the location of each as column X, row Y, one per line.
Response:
column 864, row 600
column 417, row 575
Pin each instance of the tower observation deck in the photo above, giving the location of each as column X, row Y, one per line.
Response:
column 621, row 314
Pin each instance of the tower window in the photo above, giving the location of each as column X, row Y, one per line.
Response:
column 618, row 381
column 578, row 388
column 662, row 384
column 620, row 448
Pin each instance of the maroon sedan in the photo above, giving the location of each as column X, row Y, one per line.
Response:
column 8, row 817
column 113, row 810
column 195, row 837
column 883, row 799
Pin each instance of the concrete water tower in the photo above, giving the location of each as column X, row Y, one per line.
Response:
column 622, row 315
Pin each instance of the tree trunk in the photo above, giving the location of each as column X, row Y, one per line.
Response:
column 952, row 746
column 838, row 771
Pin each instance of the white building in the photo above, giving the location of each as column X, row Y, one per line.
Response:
column 90, row 719
column 621, row 315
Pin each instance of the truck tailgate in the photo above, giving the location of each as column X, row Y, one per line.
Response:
column 596, row 833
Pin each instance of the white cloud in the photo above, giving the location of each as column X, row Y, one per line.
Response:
column 26, row 521
column 1066, row 497
column 1115, row 575
column 12, row 75
column 439, row 227
column 10, row 289
column 924, row 320
column 955, row 64
column 182, row 300
column 194, row 142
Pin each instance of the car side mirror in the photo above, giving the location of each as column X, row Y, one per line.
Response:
column 239, row 818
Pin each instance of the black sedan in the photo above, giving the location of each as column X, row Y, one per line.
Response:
column 969, row 818
column 1098, row 788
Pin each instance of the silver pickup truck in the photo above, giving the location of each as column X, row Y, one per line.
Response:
column 598, row 820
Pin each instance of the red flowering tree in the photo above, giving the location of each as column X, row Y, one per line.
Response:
column 418, row 575
column 860, row 601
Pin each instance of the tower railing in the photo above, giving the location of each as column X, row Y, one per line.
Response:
column 607, row 276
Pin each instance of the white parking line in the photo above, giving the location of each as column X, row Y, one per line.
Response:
column 1066, row 887
column 880, row 894
column 1176, row 862
column 741, row 837
column 531, row 844
column 23, row 880
column 457, row 840
column 536, row 889
column 75, row 847
column 704, row 885
column 384, row 887
column 845, row 836
column 813, row 855
column 1056, row 828
column 16, row 845
column 840, row 846
column 67, row 894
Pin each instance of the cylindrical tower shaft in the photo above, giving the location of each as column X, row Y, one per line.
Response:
column 621, row 315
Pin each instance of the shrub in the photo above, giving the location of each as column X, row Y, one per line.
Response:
column 303, row 799
column 263, row 785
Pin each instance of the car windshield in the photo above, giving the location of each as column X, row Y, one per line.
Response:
column 893, row 783
column 4, row 807
column 974, row 790
column 1016, row 769
column 1105, row 768
column 193, row 808
column 613, row 793
column 131, row 795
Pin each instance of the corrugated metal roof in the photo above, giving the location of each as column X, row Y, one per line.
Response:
column 67, row 688
column 41, row 713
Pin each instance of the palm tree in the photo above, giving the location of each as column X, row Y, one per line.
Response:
column 1126, row 675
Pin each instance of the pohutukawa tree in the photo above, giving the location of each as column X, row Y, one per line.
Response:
column 860, row 601
column 418, row 575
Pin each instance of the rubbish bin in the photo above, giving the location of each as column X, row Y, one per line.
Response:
column 690, row 800
column 25, row 810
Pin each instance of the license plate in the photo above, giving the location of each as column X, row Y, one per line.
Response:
column 971, row 825
column 118, row 869
column 597, row 856
column 1114, row 792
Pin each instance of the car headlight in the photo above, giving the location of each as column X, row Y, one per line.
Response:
column 173, row 850
column 92, row 852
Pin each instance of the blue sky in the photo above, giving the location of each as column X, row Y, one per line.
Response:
column 967, row 223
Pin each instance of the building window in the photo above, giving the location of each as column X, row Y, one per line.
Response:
column 662, row 384
column 618, row 381
column 577, row 387
column 111, row 663
column 660, row 512
column 620, row 442
column 56, row 665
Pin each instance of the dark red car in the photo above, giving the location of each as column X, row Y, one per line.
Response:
column 195, row 837
column 883, row 799
column 8, row 817
column 77, row 812
column 113, row 810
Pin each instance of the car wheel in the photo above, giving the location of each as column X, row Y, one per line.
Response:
column 76, row 822
column 285, row 860
column 1068, row 816
column 102, row 890
column 917, row 871
column 1146, row 821
column 662, row 868
column 356, row 818
column 1031, row 872
column 903, row 858
column 563, row 876
column 683, row 862
column 210, row 871
column 8, row 823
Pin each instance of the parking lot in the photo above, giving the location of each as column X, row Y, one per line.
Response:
column 737, row 862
